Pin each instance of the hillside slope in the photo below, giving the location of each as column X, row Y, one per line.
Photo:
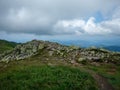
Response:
column 50, row 50
column 6, row 45
column 24, row 63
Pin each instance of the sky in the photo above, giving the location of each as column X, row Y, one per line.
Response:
column 60, row 20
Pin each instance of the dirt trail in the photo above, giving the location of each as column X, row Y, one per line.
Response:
column 101, row 81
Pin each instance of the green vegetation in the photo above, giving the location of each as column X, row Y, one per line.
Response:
column 46, row 77
column 6, row 45
column 109, row 71
column 42, row 65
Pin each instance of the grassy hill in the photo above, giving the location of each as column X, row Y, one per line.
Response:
column 44, row 65
column 45, row 77
column 6, row 45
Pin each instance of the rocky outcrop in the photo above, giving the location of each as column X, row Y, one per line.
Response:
column 46, row 49
column 30, row 49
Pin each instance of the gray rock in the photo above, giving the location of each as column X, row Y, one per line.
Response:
column 70, row 53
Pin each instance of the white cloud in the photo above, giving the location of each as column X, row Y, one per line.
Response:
column 44, row 17
column 93, row 28
column 113, row 25
column 58, row 19
column 108, row 27
column 20, row 15
column 116, row 13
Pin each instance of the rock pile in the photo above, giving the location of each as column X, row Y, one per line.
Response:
column 50, row 49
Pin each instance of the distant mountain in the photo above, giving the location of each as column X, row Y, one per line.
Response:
column 6, row 45
column 113, row 48
column 98, row 44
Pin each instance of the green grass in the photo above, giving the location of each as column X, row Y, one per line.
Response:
column 46, row 77
column 109, row 71
column 6, row 45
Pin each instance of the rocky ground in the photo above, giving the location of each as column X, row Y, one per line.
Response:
column 54, row 50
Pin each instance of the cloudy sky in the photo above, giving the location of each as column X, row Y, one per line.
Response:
column 23, row 20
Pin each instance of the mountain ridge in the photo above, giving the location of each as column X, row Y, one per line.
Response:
column 51, row 50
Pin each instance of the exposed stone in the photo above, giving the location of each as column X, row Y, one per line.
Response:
column 81, row 59
column 59, row 52
column 51, row 53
